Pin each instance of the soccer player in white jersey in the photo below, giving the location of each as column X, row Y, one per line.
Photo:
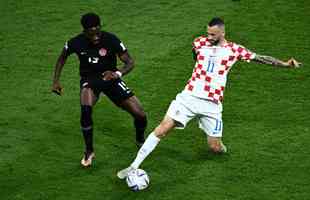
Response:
column 203, row 95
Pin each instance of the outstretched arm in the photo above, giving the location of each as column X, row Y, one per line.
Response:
column 56, row 87
column 291, row 63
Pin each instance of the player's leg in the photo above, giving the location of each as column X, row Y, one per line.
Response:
column 178, row 115
column 212, row 125
column 153, row 139
column 133, row 106
column 149, row 145
column 88, row 100
column 216, row 145
column 123, row 97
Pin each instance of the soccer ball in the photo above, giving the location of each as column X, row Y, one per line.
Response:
column 137, row 180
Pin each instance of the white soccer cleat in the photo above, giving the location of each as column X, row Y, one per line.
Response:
column 87, row 159
column 122, row 174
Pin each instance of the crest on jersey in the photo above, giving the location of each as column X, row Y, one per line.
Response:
column 103, row 52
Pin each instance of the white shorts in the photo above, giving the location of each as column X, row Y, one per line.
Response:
column 186, row 107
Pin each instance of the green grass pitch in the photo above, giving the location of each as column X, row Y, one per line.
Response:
column 266, row 109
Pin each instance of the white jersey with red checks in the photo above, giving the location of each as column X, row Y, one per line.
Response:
column 212, row 66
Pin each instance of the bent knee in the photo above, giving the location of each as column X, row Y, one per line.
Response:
column 162, row 130
column 216, row 148
column 159, row 132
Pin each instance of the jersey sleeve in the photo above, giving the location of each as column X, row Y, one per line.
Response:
column 69, row 47
column 198, row 43
column 244, row 53
column 117, row 45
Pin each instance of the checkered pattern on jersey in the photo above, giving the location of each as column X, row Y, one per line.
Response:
column 210, row 84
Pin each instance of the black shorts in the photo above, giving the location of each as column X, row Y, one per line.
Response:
column 116, row 90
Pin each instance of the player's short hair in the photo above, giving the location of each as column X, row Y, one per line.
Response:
column 89, row 20
column 216, row 21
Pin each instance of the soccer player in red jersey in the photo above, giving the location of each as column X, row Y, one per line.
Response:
column 203, row 94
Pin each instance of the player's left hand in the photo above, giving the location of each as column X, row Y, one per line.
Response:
column 57, row 88
column 109, row 75
column 293, row 63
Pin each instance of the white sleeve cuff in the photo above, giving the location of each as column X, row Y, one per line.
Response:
column 119, row 73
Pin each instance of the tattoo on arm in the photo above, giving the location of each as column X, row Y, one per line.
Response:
column 128, row 63
column 269, row 60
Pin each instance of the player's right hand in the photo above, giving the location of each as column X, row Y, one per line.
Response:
column 109, row 75
column 294, row 63
column 57, row 88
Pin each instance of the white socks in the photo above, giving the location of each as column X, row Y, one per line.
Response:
column 148, row 146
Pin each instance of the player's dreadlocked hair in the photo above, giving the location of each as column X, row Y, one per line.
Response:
column 216, row 21
column 90, row 20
